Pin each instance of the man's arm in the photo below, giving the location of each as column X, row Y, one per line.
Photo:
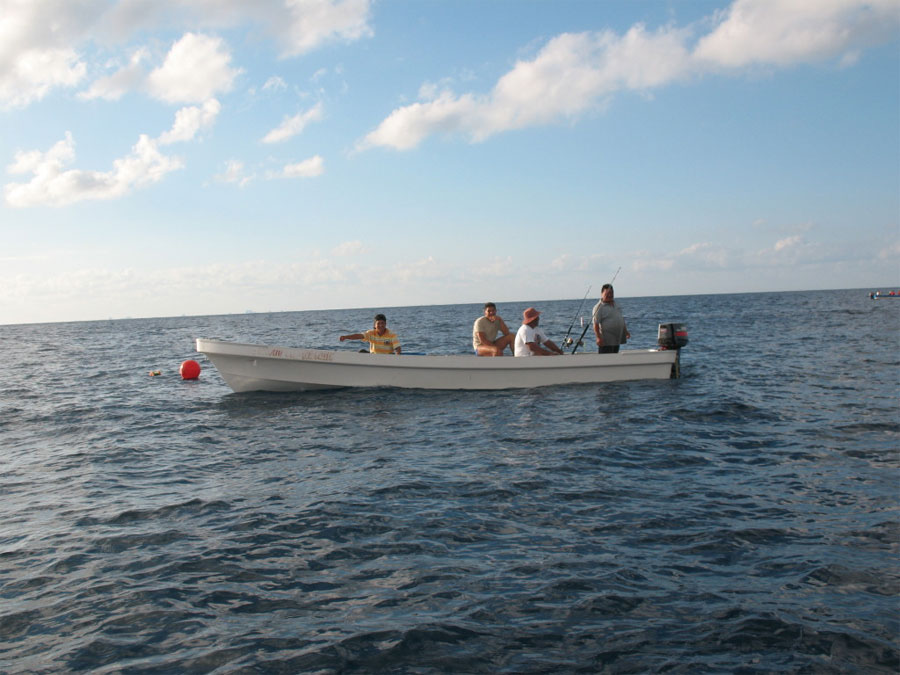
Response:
column 537, row 350
column 552, row 347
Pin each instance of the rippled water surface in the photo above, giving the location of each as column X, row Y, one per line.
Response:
column 741, row 519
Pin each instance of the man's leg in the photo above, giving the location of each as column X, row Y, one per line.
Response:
column 506, row 341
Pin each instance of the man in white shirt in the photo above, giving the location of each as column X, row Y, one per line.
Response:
column 531, row 340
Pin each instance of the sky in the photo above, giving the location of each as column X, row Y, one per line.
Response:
column 196, row 157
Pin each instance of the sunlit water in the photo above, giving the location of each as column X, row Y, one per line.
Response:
column 740, row 519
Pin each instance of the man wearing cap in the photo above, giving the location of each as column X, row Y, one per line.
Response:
column 530, row 338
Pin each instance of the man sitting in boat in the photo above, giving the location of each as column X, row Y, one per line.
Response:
column 380, row 339
column 530, row 338
column 484, row 333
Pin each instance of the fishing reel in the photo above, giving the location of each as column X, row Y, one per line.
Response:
column 568, row 342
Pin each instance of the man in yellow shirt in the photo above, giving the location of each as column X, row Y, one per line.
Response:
column 380, row 339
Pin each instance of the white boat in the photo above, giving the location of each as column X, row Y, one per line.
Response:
column 249, row 367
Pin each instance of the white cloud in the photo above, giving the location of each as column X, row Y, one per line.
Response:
column 788, row 242
column 308, row 168
column 785, row 32
column 890, row 252
column 418, row 270
column 44, row 43
column 190, row 120
column 575, row 73
column 561, row 263
column 291, row 126
column 497, row 268
column 698, row 256
column 298, row 25
column 38, row 54
column 312, row 23
column 234, row 173
column 652, row 264
column 51, row 185
column 196, row 68
column 704, row 253
column 34, row 72
column 348, row 248
column 568, row 77
column 113, row 87
column 275, row 83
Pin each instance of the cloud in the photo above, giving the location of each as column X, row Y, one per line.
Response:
column 190, row 120
column 299, row 26
column 34, row 72
column 51, row 185
column 308, row 168
column 418, row 270
column 234, row 173
column 113, row 87
column 561, row 263
column 569, row 76
column 496, row 268
column 788, row 242
column 786, row 32
column 45, row 44
column 275, row 83
column 311, row 23
column 698, row 256
column 890, row 252
column 38, row 54
column 575, row 73
column 348, row 248
column 652, row 264
column 291, row 126
column 705, row 253
column 196, row 68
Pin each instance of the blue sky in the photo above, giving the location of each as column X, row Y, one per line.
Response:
column 167, row 157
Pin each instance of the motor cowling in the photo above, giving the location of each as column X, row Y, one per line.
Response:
column 672, row 335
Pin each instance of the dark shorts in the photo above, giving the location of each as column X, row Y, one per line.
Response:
column 608, row 349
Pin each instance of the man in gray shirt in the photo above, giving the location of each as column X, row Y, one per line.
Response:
column 609, row 324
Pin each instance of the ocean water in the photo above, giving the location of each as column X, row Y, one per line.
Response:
column 743, row 518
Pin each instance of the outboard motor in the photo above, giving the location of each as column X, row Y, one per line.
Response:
column 673, row 336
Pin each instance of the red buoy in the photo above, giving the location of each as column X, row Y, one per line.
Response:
column 190, row 370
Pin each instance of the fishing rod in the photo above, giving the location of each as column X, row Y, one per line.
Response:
column 615, row 275
column 566, row 340
column 591, row 321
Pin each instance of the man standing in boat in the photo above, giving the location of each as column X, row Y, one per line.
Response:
column 380, row 339
column 530, row 339
column 609, row 323
column 484, row 333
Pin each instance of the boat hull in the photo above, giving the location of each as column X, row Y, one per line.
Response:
column 247, row 367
